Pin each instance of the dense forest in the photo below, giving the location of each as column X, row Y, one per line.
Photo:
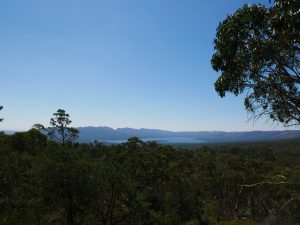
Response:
column 46, row 182
column 46, row 178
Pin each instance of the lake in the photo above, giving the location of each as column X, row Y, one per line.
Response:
column 166, row 140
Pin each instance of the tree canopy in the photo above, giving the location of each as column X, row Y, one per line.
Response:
column 59, row 129
column 43, row 182
column 257, row 51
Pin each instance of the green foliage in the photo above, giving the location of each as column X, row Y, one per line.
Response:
column 31, row 141
column 257, row 51
column 43, row 182
column 237, row 222
column 192, row 222
column 59, row 129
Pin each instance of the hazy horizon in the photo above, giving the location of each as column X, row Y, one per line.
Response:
column 140, row 128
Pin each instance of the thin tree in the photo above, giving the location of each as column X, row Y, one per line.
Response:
column 1, row 119
column 59, row 129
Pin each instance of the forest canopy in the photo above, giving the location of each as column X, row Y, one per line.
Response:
column 44, row 182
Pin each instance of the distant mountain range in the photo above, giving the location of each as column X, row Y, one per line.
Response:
column 90, row 134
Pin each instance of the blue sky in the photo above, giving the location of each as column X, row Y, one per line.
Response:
column 133, row 63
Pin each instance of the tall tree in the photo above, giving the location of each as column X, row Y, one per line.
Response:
column 59, row 129
column 257, row 51
column 1, row 119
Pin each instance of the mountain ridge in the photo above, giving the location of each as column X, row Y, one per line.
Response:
column 102, row 133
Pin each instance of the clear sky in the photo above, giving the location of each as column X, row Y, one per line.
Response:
column 117, row 63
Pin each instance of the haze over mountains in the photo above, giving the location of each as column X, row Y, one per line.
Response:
column 90, row 134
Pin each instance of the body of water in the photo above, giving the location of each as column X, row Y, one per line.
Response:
column 167, row 140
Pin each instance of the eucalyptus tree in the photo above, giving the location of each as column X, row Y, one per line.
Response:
column 257, row 51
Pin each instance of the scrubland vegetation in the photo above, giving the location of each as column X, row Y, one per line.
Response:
column 46, row 178
column 45, row 182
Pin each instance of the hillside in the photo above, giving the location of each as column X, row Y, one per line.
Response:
column 90, row 134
